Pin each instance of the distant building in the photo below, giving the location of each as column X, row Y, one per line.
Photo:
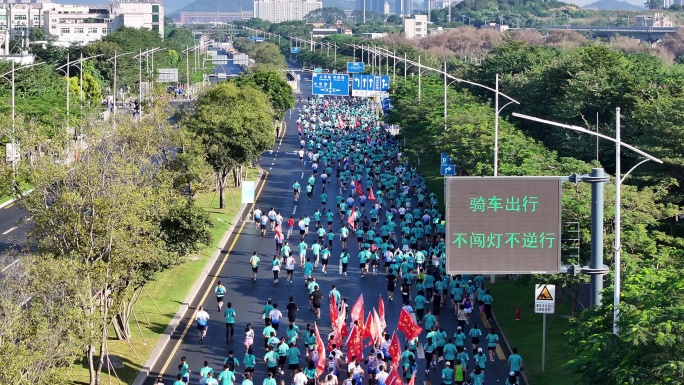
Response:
column 436, row 31
column 657, row 20
column 323, row 32
column 416, row 27
column 403, row 7
column 495, row 27
column 212, row 17
column 277, row 11
column 80, row 24
column 374, row 35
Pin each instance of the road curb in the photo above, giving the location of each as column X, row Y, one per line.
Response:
column 176, row 320
column 9, row 202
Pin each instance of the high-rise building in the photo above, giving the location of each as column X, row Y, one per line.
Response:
column 80, row 24
column 377, row 6
column 277, row 11
column 403, row 7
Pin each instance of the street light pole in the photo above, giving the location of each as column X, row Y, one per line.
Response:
column 496, row 127
column 618, row 224
column 14, row 127
column 445, row 95
column 619, row 179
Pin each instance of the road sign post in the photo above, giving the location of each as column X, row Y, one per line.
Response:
column 445, row 166
column 503, row 225
column 545, row 303
column 330, row 84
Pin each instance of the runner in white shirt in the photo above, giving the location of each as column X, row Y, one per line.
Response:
column 257, row 217
column 289, row 267
column 202, row 319
column 300, row 378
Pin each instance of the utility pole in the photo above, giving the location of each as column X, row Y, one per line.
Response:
column 67, row 95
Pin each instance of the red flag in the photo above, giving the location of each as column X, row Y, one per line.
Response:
column 394, row 377
column 334, row 312
column 350, row 220
column 381, row 312
column 357, row 310
column 355, row 344
column 371, row 196
column 357, row 185
column 369, row 329
column 394, row 350
column 320, row 348
column 341, row 326
column 378, row 329
column 407, row 326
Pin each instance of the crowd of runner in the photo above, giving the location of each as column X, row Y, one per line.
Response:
column 377, row 208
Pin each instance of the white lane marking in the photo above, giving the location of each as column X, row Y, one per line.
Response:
column 421, row 352
column 340, row 266
column 9, row 231
column 270, row 168
column 302, row 175
column 270, row 152
column 10, row 265
column 294, row 210
column 272, row 163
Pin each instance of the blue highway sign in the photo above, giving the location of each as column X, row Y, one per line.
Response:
column 295, row 49
column 444, row 159
column 447, row 169
column 370, row 85
column 330, row 84
column 355, row 67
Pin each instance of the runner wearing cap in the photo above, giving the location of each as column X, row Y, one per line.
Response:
column 447, row 374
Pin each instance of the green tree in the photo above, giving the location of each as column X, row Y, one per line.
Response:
column 235, row 125
column 326, row 15
column 273, row 84
column 268, row 55
column 105, row 220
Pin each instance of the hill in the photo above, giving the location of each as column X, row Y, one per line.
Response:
column 613, row 5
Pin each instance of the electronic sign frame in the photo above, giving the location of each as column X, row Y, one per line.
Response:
column 503, row 225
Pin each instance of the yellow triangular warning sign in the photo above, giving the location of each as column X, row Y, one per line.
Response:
column 544, row 295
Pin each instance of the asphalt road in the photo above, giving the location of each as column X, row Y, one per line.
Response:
column 14, row 225
column 249, row 297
